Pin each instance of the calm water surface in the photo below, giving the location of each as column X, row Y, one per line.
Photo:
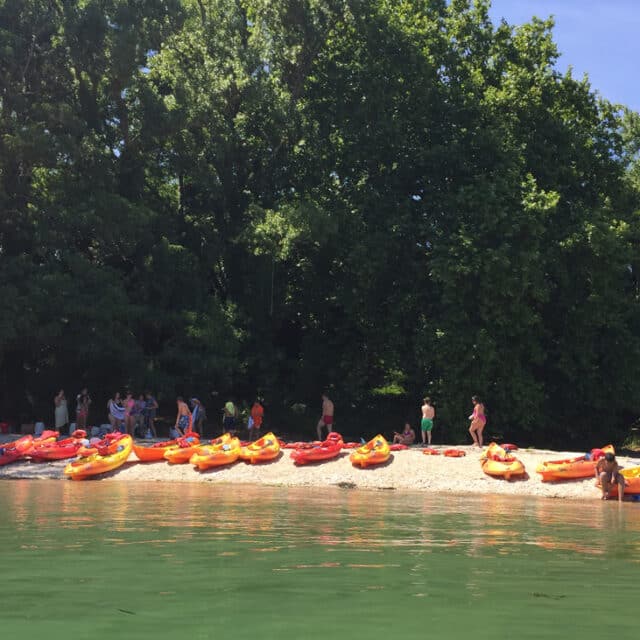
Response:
column 92, row 560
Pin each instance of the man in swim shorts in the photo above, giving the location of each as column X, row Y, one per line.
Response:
column 183, row 419
column 327, row 416
column 428, row 414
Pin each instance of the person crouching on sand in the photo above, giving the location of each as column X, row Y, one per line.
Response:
column 608, row 474
column 408, row 436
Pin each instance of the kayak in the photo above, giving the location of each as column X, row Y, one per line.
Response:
column 326, row 450
column 631, row 482
column 154, row 452
column 12, row 451
column 186, row 447
column 112, row 452
column 262, row 450
column 376, row 451
column 454, row 453
column 221, row 451
column 58, row 449
column 571, row 468
column 497, row 462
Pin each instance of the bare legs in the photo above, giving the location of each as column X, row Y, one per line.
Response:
column 476, row 429
column 605, row 483
column 319, row 427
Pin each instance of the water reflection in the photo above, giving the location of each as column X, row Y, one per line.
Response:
column 332, row 519
column 458, row 556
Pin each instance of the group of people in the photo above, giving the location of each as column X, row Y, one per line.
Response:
column 137, row 416
column 134, row 416
column 61, row 410
column 193, row 419
column 478, row 421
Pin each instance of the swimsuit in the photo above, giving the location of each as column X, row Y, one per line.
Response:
column 426, row 424
column 183, row 422
column 479, row 416
column 327, row 420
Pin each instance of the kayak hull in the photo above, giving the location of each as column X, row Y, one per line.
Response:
column 375, row 452
column 221, row 452
column 498, row 463
column 95, row 464
column 262, row 450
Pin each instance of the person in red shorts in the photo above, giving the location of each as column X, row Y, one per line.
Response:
column 327, row 416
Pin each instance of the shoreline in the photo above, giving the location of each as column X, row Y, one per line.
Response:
column 406, row 470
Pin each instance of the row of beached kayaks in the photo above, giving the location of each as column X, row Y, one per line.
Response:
column 500, row 461
column 115, row 449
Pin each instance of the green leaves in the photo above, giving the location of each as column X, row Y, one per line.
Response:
column 379, row 196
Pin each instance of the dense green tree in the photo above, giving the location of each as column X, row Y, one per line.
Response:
column 385, row 198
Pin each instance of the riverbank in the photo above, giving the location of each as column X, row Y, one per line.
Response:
column 406, row 470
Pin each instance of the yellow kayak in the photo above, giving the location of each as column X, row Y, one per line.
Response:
column 499, row 463
column 112, row 452
column 263, row 449
column 376, row 451
column 223, row 450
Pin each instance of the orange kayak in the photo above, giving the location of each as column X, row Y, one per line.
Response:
column 631, row 482
column 223, row 450
column 571, row 468
column 376, row 451
column 499, row 463
column 326, row 450
column 186, row 447
column 116, row 447
column 154, row 452
column 262, row 450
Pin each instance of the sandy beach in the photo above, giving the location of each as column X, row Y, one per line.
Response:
column 406, row 470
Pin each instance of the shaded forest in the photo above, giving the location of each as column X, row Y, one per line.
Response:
column 384, row 198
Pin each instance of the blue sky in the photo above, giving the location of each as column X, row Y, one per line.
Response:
column 597, row 37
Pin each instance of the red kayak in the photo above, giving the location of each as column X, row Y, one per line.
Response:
column 60, row 449
column 326, row 450
column 12, row 451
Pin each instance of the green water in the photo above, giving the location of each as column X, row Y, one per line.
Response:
column 154, row 560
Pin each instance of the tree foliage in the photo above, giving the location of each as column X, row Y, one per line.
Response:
column 376, row 197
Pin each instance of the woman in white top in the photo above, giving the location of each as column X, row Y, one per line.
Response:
column 61, row 411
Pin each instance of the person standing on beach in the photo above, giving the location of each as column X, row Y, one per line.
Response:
column 116, row 412
column 150, row 409
column 61, row 412
column 426, row 424
column 198, row 416
column 183, row 418
column 327, row 416
column 608, row 474
column 83, row 401
column 229, row 415
column 255, row 419
column 478, row 421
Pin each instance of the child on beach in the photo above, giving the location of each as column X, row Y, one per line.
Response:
column 426, row 424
